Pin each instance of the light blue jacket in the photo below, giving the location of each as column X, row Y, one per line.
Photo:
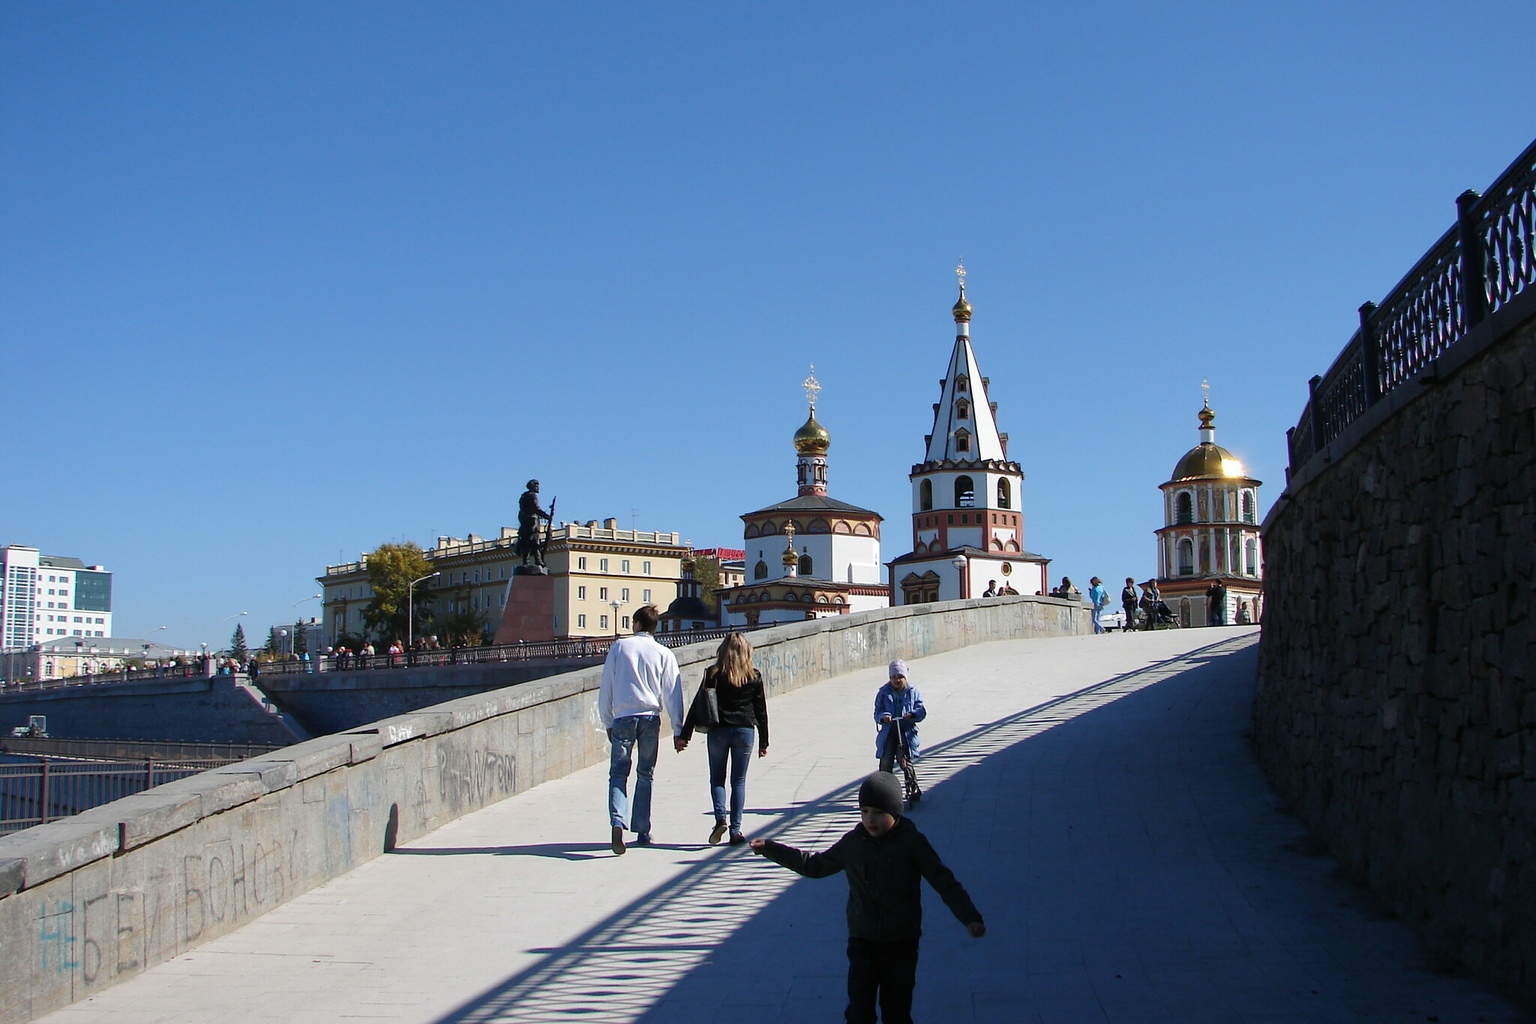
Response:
column 894, row 702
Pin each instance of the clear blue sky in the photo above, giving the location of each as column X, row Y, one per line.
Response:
column 281, row 282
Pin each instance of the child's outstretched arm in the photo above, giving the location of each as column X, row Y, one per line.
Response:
column 949, row 888
column 811, row 865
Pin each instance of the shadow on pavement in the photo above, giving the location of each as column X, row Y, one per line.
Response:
column 1130, row 861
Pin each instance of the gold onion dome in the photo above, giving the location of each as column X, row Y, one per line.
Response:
column 1207, row 459
column 812, row 438
column 962, row 308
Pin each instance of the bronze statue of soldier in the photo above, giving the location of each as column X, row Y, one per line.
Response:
column 529, row 542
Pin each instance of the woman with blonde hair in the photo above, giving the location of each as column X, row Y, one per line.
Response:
column 737, row 689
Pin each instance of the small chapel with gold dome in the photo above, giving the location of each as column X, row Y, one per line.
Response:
column 1209, row 558
column 811, row 556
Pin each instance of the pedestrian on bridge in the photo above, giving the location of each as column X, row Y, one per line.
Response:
column 640, row 677
column 740, row 709
column 885, row 859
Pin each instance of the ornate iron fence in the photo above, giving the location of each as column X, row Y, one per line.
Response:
column 1476, row 267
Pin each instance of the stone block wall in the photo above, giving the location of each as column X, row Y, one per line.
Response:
column 98, row 898
column 1396, row 699
column 200, row 710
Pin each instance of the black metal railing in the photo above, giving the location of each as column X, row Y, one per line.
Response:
column 1479, row 266
column 44, row 790
column 591, row 648
column 131, row 750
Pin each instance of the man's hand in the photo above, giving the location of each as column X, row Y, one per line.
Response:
column 758, row 844
column 906, row 715
column 976, row 928
column 679, row 744
column 884, row 719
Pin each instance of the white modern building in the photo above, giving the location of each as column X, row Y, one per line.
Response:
column 44, row 597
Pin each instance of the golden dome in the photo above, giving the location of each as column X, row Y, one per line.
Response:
column 962, row 309
column 812, row 438
column 1207, row 459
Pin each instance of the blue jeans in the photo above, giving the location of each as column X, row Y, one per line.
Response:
column 635, row 731
column 1098, row 610
column 735, row 741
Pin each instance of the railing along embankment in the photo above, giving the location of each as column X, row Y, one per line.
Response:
column 1396, row 702
column 102, row 896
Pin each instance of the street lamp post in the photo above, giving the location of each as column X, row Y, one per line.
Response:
column 960, row 564
column 410, row 614
column 293, row 613
column 615, row 605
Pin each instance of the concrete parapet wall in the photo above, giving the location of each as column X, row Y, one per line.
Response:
column 1396, row 699
column 201, row 709
column 100, row 897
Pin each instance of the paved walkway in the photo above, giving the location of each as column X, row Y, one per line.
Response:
column 1096, row 795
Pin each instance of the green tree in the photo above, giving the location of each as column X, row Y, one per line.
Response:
column 237, row 648
column 273, row 646
column 706, row 570
column 300, row 641
column 391, row 570
column 465, row 628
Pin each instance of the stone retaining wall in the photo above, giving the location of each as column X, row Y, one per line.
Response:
column 1396, row 701
column 100, row 897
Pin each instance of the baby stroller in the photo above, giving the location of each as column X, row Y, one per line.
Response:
column 896, row 755
column 1163, row 617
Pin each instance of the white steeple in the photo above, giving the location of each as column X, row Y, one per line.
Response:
column 964, row 422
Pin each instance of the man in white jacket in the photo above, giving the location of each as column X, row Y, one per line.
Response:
column 640, row 677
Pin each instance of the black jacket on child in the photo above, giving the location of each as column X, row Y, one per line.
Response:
column 885, row 901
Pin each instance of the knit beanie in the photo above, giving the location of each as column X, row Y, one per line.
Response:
column 898, row 668
column 882, row 792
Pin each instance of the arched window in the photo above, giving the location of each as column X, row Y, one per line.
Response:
column 962, row 440
column 1184, row 612
column 963, row 410
column 1250, row 514
column 760, row 570
column 1004, row 494
column 1186, row 557
column 965, row 492
column 1252, row 566
column 925, row 495
column 1184, row 508
column 962, row 384
column 805, row 565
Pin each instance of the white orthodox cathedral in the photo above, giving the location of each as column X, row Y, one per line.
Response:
column 967, row 508
column 1210, row 563
column 813, row 555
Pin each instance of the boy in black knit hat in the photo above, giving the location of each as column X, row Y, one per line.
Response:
column 884, row 857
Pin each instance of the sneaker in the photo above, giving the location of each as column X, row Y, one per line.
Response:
column 717, row 833
column 643, row 839
column 618, row 839
column 737, row 838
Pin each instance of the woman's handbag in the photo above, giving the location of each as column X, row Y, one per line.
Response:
column 705, row 710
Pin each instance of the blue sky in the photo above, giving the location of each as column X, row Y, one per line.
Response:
column 282, row 282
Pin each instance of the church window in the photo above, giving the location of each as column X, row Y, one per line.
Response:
column 962, row 440
column 1249, row 515
column 805, row 565
column 962, row 384
column 1184, row 612
column 760, row 570
column 1184, row 508
column 1252, row 566
column 925, row 495
column 965, row 492
column 1004, row 494
column 1186, row 557
column 963, row 409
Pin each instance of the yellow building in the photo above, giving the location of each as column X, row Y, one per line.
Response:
column 601, row 575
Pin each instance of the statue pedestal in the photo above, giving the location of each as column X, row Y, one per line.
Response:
column 530, row 612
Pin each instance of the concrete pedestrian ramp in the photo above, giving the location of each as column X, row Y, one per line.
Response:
column 1096, row 796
